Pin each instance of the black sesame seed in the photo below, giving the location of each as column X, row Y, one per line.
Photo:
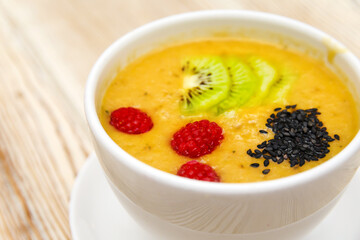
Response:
column 263, row 131
column 254, row 165
column 266, row 162
column 259, row 155
column 277, row 109
column 302, row 162
column 272, row 153
column 268, row 148
column 300, row 117
column 262, row 145
column 336, row 137
column 266, row 171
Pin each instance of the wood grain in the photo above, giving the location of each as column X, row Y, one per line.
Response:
column 46, row 51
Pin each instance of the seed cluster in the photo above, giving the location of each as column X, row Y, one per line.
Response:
column 300, row 137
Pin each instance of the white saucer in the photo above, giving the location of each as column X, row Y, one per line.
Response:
column 96, row 214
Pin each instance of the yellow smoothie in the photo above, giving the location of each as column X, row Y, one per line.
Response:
column 154, row 82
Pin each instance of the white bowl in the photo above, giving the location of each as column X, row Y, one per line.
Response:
column 180, row 208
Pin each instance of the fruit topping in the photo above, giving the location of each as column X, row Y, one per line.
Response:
column 205, row 84
column 198, row 171
column 266, row 74
column 243, row 84
column 281, row 87
column 215, row 84
column 131, row 120
column 197, row 139
column 300, row 137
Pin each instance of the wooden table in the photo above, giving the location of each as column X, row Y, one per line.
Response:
column 46, row 51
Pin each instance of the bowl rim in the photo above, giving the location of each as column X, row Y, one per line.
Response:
column 174, row 181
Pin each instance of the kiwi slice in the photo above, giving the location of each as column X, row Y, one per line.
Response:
column 267, row 76
column 280, row 89
column 243, row 84
column 205, row 84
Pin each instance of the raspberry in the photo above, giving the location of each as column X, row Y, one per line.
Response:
column 197, row 139
column 198, row 171
column 131, row 120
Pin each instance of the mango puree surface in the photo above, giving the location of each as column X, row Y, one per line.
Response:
column 153, row 84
